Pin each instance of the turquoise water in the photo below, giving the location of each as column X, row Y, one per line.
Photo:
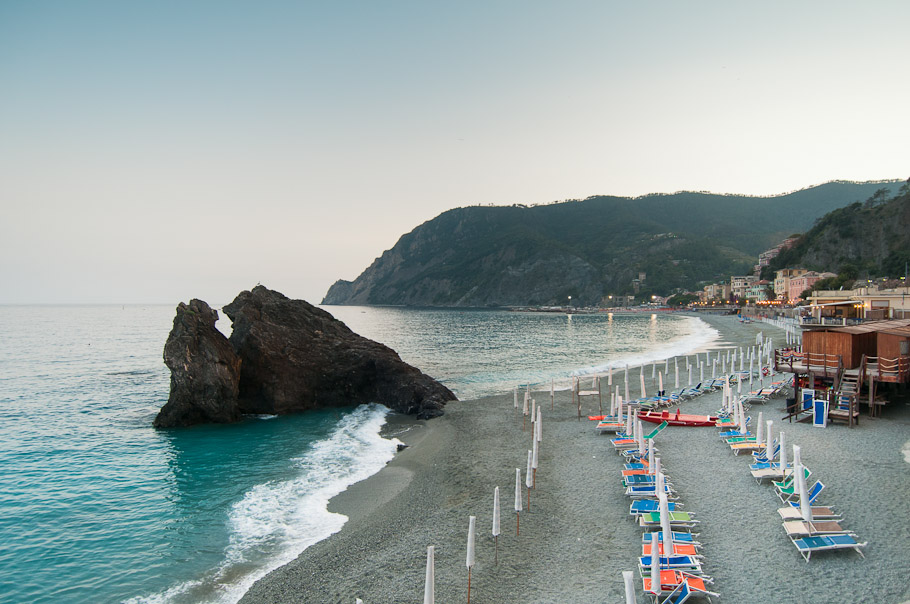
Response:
column 99, row 507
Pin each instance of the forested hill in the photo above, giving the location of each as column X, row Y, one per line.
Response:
column 587, row 249
column 861, row 240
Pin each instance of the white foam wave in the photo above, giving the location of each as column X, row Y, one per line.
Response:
column 275, row 521
column 700, row 335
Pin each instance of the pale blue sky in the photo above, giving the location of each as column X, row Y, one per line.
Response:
column 159, row 151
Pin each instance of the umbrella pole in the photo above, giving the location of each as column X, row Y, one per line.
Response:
column 529, row 499
column 517, row 523
column 469, row 586
column 496, row 550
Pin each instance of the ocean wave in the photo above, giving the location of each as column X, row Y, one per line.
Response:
column 275, row 521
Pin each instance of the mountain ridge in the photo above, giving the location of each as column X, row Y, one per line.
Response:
column 588, row 249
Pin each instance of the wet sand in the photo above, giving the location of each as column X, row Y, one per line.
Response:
column 577, row 536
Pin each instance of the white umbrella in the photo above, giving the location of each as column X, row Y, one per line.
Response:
column 724, row 366
column 612, row 404
column 469, row 561
column 518, row 507
column 658, row 476
column 429, row 589
column 641, row 378
column 690, row 375
column 653, row 369
column 525, row 410
column 666, row 529
column 629, row 582
column 797, row 458
column 739, row 383
column 650, row 456
column 783, row 454
column 676, row 373
column 630, row 418
column 805, row 508
column 701, row 372
column 516, row 397
column 641, row 438
column 760, row 429
column 529, row 477
column 655, row 563
column 534, row 448
column 660, row 383
column 539, row 425
column 496, row 527
column 626, row 383
column 741, row 360
column 768, row 449
column 667, row 365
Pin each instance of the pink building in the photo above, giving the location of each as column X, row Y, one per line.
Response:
column 801, row 283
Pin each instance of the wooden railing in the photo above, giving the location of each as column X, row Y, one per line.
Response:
column 794, row 360
column 889, row 370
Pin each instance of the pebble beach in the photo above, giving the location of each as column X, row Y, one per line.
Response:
column 576, row 536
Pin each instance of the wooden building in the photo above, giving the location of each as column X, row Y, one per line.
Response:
column 840, row 361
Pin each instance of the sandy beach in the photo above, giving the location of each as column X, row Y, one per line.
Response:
column 577, row 537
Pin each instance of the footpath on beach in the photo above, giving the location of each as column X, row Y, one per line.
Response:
column 574, row 534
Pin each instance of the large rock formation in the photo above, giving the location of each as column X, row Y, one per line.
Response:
column 291, row 356
column 205, row 370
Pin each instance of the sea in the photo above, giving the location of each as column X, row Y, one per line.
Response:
column 97, row 506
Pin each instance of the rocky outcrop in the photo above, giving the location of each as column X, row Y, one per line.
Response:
column 298, row 357
column 286, row 356
column 205, row 370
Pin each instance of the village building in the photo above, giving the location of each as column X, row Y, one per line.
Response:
column 782, row 282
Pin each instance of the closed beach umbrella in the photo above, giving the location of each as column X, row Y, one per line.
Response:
column 653, row 369
column 641, row 378
column 629, row 582
column 655, row 563
column 660, row 383
column 429, row 588
column 760, row 429
column 518, row 507
column 797, row 457
column 630, row 419
column 469, row 561
column 805, row 510
column 690, row 375
column 658, row 475
column 664, row 508
column 741, row 360
column 529, row 478
column 496, row 527
column 539, row 425
column 768, row 439
column 676, row 380
column 782, row 441
column 626, row 383
column 641, row 439
column 534, row 449
column 650, row 456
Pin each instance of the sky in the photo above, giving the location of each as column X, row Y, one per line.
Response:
column 154, row 152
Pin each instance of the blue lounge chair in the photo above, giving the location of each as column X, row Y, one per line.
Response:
column 820, row 543
column 689, row 564
column 643, row 506
column 813, row 494
column 678, row 537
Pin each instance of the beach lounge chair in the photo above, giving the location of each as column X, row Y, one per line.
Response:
column 801, row 528
column 642, row 506
column 670, row 580
column 819, row 512
column 786, row 488
column 813, row 495
column 683, row 592
column 648, row 491
column 772, row 471
column 809, row 545
column 679, row 549
column 678, row 519
column 690, row 564
column 678, row 537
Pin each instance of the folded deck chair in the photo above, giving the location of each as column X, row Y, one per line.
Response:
column 679, row 549
column 678, row 537
column 819, row 512
column 808, row 545
column 643, row 506
column 678, row 519
column 801, row 528
column 690, row 564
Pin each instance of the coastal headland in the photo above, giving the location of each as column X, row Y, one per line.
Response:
column 577, row 536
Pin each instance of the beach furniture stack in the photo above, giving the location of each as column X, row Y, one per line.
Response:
column 810, row 527
column 670, row 565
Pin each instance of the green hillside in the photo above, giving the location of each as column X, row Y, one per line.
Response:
column 587, row 249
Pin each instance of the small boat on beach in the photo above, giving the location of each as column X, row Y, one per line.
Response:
column 677, row 419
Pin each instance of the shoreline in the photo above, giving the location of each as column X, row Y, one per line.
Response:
column 578, row 537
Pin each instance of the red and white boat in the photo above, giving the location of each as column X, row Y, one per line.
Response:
column 677, row 419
